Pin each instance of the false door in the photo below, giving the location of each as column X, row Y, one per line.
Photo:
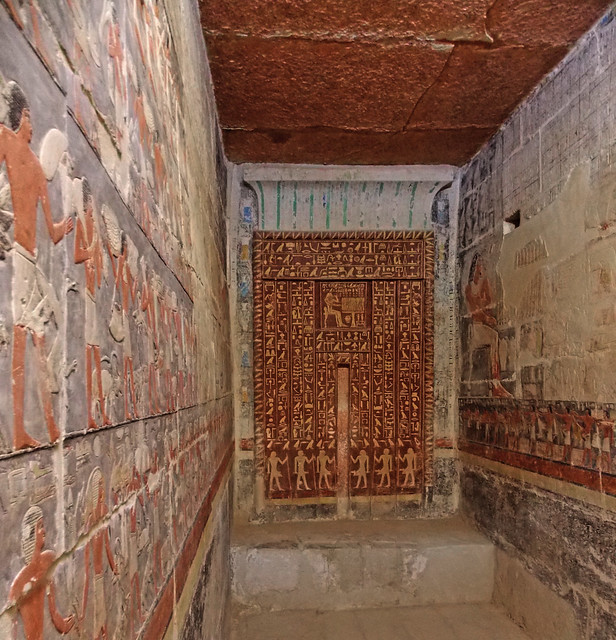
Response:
column 343, row 364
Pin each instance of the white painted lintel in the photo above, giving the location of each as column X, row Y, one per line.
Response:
column 350, row 173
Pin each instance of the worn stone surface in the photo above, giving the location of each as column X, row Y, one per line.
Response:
column 446, row 622
column 343, row 565
column 562, row 542
column 379, row 83
column 115, row 426
column 208, row 616
column 363, row 20
column 536, row 294
column 538, row 610
column 536, row 301
column 298, row 95
column 326, row 146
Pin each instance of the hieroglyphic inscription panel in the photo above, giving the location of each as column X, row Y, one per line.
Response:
column 343, row 363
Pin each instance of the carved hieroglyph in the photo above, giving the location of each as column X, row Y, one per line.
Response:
column 343, row 363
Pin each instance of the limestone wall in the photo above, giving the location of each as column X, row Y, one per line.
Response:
column 537, row 290
column 115, row 401
column 282, row 198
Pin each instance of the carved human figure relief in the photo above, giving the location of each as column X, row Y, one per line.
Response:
column 98, row 547
column 386, row 462
column 333, row 308
column 480, row 302
column 34, row 585
column 88, row 251
column 148, row 307
column 322, row 461
column 34, row 300
column 156, row 486
column 109, row 36
column 123, row 301
column 363, row 468
column 273, row 467
column 410, row 459
column 299, row 466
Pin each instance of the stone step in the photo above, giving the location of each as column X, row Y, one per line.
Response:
column 436, row 622
column 353, row 564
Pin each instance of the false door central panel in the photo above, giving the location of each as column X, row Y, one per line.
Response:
column 343, row 363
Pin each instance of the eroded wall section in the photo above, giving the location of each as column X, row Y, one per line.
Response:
column 115, row 409
column 537, row 292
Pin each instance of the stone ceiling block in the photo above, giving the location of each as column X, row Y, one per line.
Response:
column 397, row 82
column 304, row 83
column 452, row 146
column 355, row 21
column 481, row 85
column 552, row 22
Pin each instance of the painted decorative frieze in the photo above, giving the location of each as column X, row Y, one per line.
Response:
column 572, row 441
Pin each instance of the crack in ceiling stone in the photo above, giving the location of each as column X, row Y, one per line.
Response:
column 428, row 81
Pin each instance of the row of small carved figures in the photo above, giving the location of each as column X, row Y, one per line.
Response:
column 566, row 427
column 322, row 460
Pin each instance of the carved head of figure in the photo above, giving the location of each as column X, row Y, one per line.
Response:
column 18, row 115
column 32, row 533
column 95, row 497
column 477, row 270
column 87, row 196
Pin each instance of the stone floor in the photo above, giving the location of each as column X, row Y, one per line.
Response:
column 442, row 622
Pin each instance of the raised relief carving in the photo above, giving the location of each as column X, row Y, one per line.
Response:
column 565, row 440
column 344, row 305
column 343, row 363
column 33, row 588
column 35, row 302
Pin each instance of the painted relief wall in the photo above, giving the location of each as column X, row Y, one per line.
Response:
column 115, row 427
column 302, row 203
column 537, row 326
column 343, row 365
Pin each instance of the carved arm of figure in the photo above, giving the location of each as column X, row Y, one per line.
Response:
column 109, row 552
column 63, row 625
column 86, row 582
column 57, row 230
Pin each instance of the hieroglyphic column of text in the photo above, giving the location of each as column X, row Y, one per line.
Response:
column 417, row 365
column 309, row 360
column 269, row 362
column 297, row 359
column 389, row 350
column 282, row 361
column 355, row 424
column 404, row 359
column 321, row 397
column 378, row 359
column 361, row 364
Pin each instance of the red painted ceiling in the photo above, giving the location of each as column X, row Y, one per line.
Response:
column 379, row 82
